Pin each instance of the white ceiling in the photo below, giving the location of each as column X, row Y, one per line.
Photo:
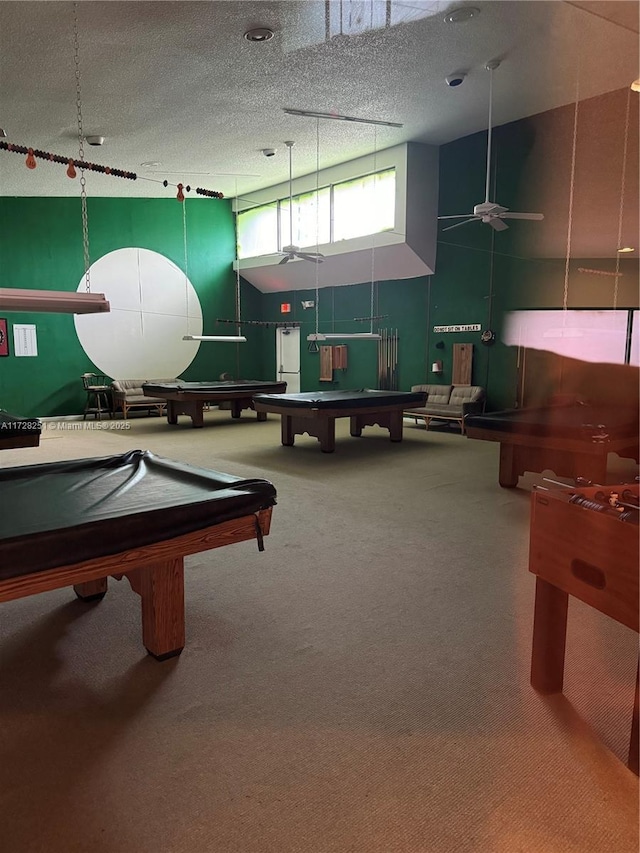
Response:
column 176, row 83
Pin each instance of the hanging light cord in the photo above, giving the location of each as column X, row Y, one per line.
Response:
column 238, row 307
column 621, row 210
column 373, row 236
column 290, row 195
column 489, row 135
column 83, row 182
column 186, row 260
column 317, row 217
column 565, row 295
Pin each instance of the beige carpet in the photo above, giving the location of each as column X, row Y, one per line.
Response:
column 360, row 687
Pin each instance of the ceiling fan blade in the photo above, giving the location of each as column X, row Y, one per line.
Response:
column 458, row 224
column 497, row 224
column 537, row 216
column 285, row 259
column 456, row 216
column 316, row 259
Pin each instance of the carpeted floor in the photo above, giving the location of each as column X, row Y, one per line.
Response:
column 359, row 687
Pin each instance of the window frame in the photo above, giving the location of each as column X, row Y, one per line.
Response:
column 331, row 185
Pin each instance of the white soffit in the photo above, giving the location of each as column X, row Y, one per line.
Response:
column 390, row 262
column 406, row 252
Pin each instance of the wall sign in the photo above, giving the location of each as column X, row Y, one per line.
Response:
column 285, row 307
column 25, row 342
column 4, row 338
column 463, row 327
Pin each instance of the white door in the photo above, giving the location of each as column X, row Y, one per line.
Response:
column 288, row 358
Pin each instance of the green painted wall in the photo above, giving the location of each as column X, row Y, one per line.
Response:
column 480, row 274
column 406, row 304
column 41, row 247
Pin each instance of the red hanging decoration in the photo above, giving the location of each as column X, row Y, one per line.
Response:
column 31, row 160
column 71, row 171
column 180, row 195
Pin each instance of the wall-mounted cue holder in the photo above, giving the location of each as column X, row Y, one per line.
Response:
column 332, row 358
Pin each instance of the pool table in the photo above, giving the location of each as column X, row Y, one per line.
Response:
column 135, row 515
column 315, row 412
column 189, row 398
column 571, row 440
column 18, row 432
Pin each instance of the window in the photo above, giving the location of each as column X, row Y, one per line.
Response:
column 258, row 231
column 364, row 206
column 311, row 219
column 342, row 211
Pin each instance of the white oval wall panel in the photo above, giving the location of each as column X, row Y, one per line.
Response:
column 153, row 304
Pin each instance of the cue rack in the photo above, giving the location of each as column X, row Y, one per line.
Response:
column 388, row 360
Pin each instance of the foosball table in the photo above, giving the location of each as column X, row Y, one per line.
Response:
column 584, row 543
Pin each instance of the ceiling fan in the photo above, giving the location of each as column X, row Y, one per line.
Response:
column 291, row 251
column 490, row 211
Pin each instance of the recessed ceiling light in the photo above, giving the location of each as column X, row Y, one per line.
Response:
column 463, row 13
column 259, row 34
column 626, row 249
column 149, row 164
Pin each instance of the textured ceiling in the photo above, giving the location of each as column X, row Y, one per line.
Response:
column 176, row 83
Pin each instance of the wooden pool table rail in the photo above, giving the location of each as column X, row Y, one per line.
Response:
column 155, row 572
column 191, row 401
column 10, row 442
column 566, row 456
column 321, row 423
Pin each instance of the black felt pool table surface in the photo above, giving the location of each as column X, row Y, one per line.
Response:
column 88, row 508
column 194, row 388
column 572, row 421
column 342, row 399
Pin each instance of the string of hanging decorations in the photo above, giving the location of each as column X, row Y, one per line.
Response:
column 33, row 154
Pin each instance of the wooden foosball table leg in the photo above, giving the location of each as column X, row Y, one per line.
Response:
column 549, row 637
column 634, row 745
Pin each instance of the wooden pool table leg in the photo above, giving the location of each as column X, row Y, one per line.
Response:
column 161, row 590
column 236, row 408
column 196, row 413
column 286, row 428
column 395, row 426
column 549, row 637
column 172, row 415
column 508, row 473
column 91, row 590
column 326, row 433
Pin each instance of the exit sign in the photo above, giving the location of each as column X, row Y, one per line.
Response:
column 285, row 308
